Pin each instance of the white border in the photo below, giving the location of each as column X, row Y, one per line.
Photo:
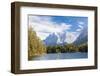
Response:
column 25, row 64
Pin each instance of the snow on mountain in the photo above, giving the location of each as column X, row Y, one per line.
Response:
column 60, row 38
column 83, row 37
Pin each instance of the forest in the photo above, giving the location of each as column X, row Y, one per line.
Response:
column 36, row 47
column 67, row 48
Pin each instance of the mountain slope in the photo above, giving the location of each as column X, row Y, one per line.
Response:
column 83, row 37
column 56, row 39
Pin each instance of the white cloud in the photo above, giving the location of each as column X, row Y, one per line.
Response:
column 81, row 23
column 80, row 28
column 44, row 26
column 42, row 35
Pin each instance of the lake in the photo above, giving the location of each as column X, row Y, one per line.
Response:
column 55, row 56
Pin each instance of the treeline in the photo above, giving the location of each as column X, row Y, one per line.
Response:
column 35, row 45
column 67, row 48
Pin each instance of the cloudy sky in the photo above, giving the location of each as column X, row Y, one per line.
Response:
column 45, row 25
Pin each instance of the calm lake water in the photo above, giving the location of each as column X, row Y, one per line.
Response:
column 55, row 56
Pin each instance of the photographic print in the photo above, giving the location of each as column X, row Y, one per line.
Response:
column 57, row 37
column 52, row 37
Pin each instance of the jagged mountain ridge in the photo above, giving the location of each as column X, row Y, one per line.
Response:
column 56, row 39
column 63, row 37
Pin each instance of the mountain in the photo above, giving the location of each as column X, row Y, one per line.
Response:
column 56, row 39
column 83, row 37
column 62, row 38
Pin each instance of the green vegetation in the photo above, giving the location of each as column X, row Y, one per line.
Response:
column 67, row 48
column 83, row 47
column 37, row 48
column 35, row 45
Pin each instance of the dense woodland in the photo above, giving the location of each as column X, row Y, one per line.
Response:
column 67, row 48
column 36, row 47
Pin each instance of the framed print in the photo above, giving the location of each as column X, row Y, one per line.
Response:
column 52, row 37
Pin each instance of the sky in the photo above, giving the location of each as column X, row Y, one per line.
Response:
column 45, row 25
